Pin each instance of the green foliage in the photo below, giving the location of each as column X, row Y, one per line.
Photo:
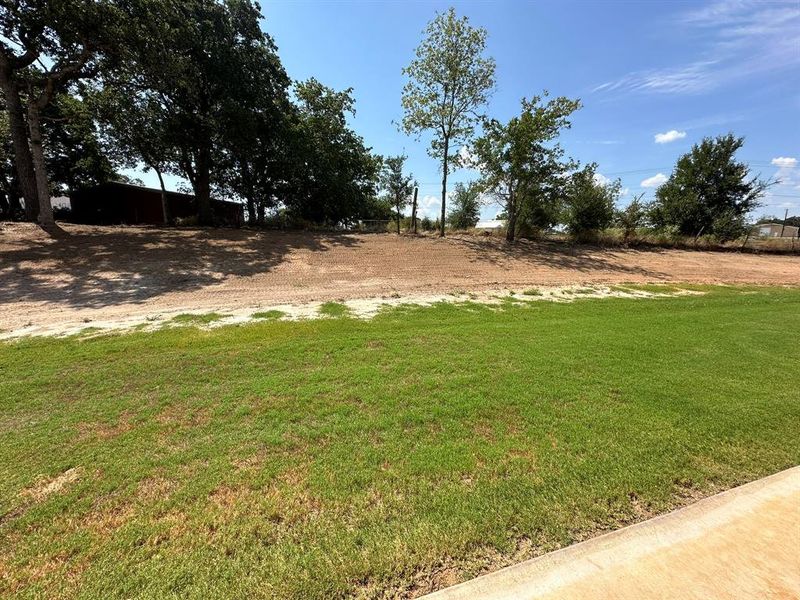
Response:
column 589, row 204
column 428, row 224
column 334, row 176
column 709, row 191
column 47, row 48
column 449, row 80
column 334, row 309
column 197, row 319
column 205, row 82
column 397, row 186
column 76, row 156
column 268, row 314
column 792, row 221
column 522, row 165
column 632, row 217
column 302, row 459
column 465, row 208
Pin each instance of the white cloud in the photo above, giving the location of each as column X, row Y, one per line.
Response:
column 669, row 136
column 601, row 179
column 430, row 206
column 466, row 159
column 654, row 181
column 787, row 173
column 742, row 38
column 784, row 162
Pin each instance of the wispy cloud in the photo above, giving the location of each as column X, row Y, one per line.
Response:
column 745, row 38
column 654, row 181
column 784, row 162
column 669, row 136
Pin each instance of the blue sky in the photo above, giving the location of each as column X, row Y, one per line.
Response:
column 684, row 69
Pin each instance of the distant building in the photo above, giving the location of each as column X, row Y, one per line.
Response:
column 116, row 203
column 490, row 224
column 775, row 230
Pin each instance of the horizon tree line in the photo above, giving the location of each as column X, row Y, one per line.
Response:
column 195, row 88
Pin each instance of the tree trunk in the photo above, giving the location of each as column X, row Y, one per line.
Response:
column 251, row 211
column 248, row 193
column 203, row 189
column 164, row 202
column 511, row 209
column 45, row 218
column 414, row 212
column 444, row 184
column 397, row 204
column 23, row 161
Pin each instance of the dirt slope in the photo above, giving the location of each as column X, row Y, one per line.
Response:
column 94, row 273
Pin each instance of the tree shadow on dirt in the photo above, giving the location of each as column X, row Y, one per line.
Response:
column 578, row 258
column 95, row 267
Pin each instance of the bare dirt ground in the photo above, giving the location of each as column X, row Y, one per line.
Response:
column 92, row 274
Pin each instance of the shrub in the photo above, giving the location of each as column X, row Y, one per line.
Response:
column 589, row 203
column 631, row 218
column 465, row 207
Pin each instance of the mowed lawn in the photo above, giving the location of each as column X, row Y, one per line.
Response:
column 339, row 457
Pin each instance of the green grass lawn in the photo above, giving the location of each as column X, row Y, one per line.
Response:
column 340, row 457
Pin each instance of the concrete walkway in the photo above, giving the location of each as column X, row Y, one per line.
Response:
column 743, row 543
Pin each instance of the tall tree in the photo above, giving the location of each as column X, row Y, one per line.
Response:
column 448, row 82
column 709, row 191
column 10, row 207
column 257, row 153
column 522, row 164
column 334, row 176
column 136, row 121
column 60, row 42
column 396, row 184
column 208, row 65
column 22, row 26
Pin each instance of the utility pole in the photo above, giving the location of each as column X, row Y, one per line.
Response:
column 414, row 211
column 785, row 216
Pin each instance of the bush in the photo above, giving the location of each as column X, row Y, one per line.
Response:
column 728, row 226
column 631, row 218
column 465, row 208
column 589, row 203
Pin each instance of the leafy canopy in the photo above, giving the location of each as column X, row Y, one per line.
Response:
column 335, row 175
column 448, row 81
column 709, row 191
column 522, row 164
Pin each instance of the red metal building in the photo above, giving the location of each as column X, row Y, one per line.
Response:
column 123, row 203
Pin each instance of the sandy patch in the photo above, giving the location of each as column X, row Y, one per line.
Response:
column 363, row 308
column 46, row 487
